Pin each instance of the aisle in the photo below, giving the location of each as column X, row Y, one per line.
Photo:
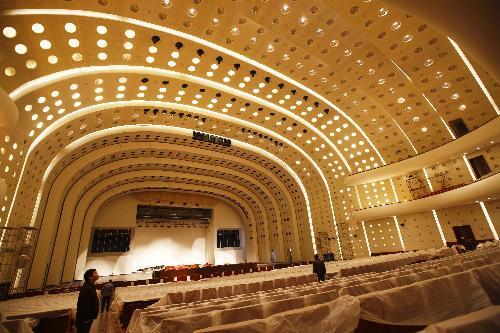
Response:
column 106, row 322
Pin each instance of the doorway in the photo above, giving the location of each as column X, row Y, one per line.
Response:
column 463, row 233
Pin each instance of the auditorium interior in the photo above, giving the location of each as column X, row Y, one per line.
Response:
column 203, row 157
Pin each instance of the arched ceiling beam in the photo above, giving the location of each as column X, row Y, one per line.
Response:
column 160, row 128
column 128, row 20
column 82, row 71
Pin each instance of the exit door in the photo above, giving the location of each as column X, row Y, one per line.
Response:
column 463, row 233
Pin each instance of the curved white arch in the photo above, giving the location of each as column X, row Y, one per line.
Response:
column 148, row 25
column 171, row 129
column 58, row 249
column 73, row 115
column 79, row 254
column 75, row 72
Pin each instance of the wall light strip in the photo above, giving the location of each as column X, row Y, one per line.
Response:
column 475, row 75
column 402, row 71
column 399, row 233
column 441, row 118
column 406, row 136
column 427, row 179
column 366, row 239
column 439, row 227
column 490, row 222
column 357, row 196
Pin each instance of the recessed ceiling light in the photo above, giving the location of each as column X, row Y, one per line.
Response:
column 45, row 44
column 428, row 62
column 382, row 12
column 70, row 28
column 129, row 33
column 101, row 29
column 77, row 56
column 52, row 59
column 74, row 42
column 37, row 28
column 166, row 3
column 21, row 49
column 285, row 9
column 396, row 25
column 128, row 45
column 30, row 64
column 407, row 38
column 9, row 32
column 102, row 43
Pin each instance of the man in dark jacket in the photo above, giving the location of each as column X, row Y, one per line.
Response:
column 87, row 307
column 319, row 268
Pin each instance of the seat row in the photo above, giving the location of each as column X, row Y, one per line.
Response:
column 408, row 296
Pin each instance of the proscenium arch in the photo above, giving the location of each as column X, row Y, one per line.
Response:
column 161, row 146
column 118, row 131
column 58, row 191
column 169, row 177
column 173, row 130
column 55, row 213
column 75, row 261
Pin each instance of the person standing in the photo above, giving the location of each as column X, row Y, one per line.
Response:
column 107, row 293
column 273, row 256
column 87, row 307
column 319, row 268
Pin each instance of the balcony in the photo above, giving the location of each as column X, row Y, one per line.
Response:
column 481, row 136
column 454, row 195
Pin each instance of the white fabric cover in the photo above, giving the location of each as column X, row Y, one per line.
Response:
column 427, row 302
column 394, row 281
column 338, row 316
column 483, row 321
column 15, row 326
column 489, row 278
column 189, row 323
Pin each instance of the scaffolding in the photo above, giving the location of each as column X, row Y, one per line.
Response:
column 17, row 246
column 419, row 187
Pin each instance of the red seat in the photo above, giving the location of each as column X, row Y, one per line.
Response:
column 194, row 277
